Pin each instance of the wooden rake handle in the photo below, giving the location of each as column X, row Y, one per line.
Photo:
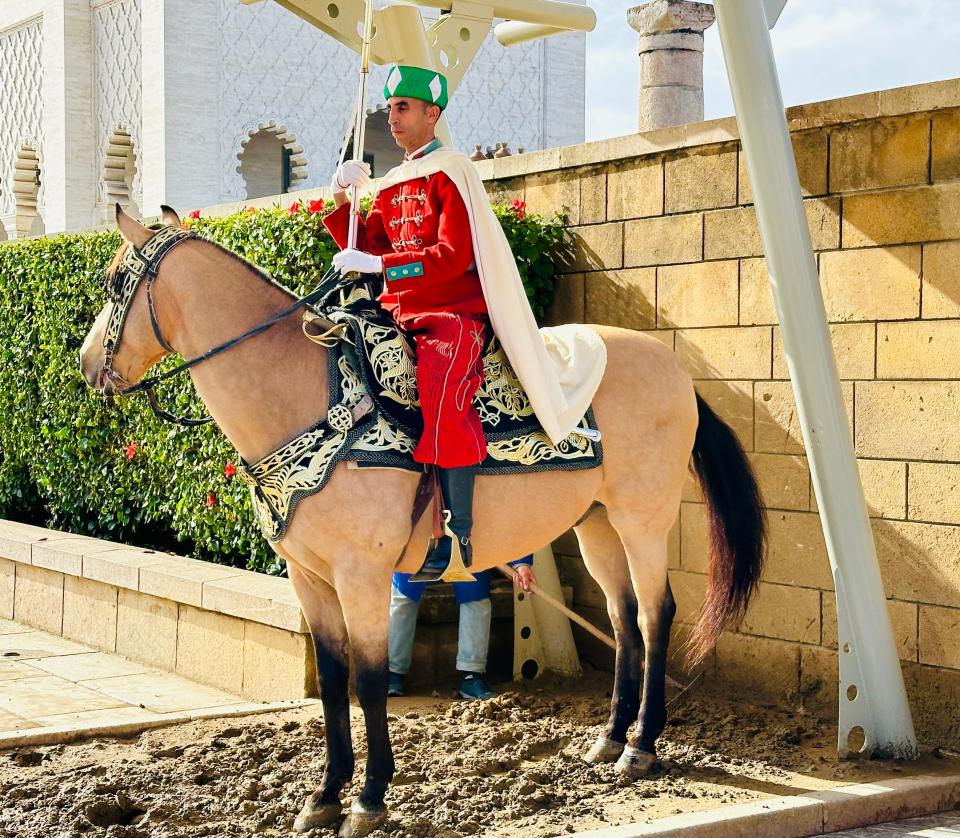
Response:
column 585, row 624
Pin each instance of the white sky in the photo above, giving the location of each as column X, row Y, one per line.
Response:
column 824, row 49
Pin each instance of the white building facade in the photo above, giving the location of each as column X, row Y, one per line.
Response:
column 199, row 102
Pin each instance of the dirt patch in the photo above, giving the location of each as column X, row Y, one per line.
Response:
column 505, row 767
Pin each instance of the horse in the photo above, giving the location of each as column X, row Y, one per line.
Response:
column 343, row 543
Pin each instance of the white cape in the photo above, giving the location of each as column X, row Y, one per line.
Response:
column 561, row 367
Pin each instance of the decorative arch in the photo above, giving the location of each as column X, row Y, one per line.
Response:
column 119, row 175
column 27, row 188
column 271, row 160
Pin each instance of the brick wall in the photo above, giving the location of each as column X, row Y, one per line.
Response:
column 667, row 242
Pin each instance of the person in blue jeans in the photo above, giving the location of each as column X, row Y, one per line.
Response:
column 473, row 641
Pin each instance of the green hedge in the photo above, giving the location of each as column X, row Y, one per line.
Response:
column 72, row 461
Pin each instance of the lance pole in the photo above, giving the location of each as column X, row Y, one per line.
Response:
column 360, row 123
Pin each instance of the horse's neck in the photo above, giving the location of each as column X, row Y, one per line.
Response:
column 265, row 390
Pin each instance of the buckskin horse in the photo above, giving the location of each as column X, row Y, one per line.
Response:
column 344, row 542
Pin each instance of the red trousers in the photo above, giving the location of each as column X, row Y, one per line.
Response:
column 449, row 371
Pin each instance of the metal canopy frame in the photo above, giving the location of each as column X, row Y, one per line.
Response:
column 447, row 45
column 872, row 694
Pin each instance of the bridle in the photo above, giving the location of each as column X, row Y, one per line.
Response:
column 141, row 264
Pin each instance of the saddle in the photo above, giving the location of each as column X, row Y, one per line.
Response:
column 374, row 418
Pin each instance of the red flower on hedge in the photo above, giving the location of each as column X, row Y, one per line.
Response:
column 315, row 206
column 249, row 210
column 294, row 208
column 195, row 214
column 229, row 470
column 131, row 451
column 211, row 500
column 519, row 208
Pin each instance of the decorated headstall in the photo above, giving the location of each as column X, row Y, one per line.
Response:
column 121, row 287
column 139, row 264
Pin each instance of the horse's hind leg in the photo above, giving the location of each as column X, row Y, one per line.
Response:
column 323, row 614
column 604, row 558
column 647, row 559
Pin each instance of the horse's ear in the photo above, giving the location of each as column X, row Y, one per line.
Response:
column 131, row 229
column 168, row 215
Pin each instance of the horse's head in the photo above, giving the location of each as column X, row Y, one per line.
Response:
column 108, row 363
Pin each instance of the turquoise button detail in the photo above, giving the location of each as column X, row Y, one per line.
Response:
column 401, row 271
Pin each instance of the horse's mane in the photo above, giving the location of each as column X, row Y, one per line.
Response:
column 111, row 271
column 256, row 270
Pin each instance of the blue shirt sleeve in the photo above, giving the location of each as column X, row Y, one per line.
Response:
column 527, row 560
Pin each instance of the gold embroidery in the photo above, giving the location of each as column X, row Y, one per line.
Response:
column 297, row 468
column 535, row 448
column 500, row 393
column 393, row 366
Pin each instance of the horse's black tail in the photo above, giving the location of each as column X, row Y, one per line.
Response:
column 738, row 529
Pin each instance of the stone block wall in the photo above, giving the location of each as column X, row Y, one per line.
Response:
column 666, row 241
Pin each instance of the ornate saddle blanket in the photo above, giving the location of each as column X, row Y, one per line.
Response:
column 374, row 417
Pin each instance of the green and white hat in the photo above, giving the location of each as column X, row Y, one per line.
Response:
column 416, row 83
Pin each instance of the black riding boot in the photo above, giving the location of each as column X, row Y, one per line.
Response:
column 456, row 489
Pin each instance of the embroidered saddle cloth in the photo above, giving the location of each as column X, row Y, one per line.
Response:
column 374, row 417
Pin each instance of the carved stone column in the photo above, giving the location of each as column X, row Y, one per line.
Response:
column 671, row 61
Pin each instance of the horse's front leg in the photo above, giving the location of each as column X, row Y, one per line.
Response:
column 321, row 608
column 365, row 597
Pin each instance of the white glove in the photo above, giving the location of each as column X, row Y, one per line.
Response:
column 356, row 261
column 351, row 173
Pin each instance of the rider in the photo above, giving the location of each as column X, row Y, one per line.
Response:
column 417, row 234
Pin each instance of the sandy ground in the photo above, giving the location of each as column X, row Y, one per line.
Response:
column 510, row 766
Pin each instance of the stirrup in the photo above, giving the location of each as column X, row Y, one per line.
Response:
column 456, row 569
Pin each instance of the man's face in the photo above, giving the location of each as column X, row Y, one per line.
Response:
column 412, row 121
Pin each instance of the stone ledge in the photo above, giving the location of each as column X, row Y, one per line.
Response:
column 849, row 807
column 813, row 813
column 238, row 593
column 884, row 103
column 265, row 599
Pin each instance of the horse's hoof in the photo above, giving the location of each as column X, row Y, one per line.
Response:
column 603, row 750
column 361, row 821
column 315, row 814
column 634, row 763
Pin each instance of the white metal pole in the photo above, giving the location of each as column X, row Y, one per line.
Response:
column 360, row 123
column 872, row 694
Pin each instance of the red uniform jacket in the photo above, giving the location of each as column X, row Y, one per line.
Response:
column 422, row 230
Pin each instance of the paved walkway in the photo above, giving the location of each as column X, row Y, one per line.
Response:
column 944, row 825
column 52, row 689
